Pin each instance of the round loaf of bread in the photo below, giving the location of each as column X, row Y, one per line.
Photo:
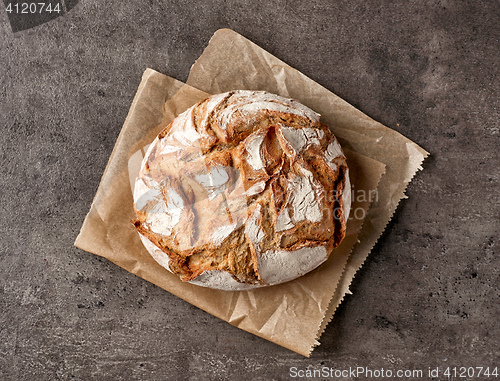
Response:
column 245, row 189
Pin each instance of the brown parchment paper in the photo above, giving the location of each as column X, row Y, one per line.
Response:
column 233, row 62
column 293, row 314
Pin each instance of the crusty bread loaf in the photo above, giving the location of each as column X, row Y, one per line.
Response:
column 242, row 190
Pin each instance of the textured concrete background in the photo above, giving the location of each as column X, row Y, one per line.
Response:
column 427, row 297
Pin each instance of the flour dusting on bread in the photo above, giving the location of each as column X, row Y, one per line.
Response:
column 245, row 189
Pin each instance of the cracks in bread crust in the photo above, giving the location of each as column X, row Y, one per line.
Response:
column 254, row 173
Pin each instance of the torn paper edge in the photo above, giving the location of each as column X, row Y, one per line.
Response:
column 332, row 308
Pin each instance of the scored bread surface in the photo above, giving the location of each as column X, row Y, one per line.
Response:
column 242, row 190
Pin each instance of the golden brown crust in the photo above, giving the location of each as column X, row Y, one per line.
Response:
column 295, row 184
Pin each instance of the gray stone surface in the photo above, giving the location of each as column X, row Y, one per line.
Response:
column 427, row 297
